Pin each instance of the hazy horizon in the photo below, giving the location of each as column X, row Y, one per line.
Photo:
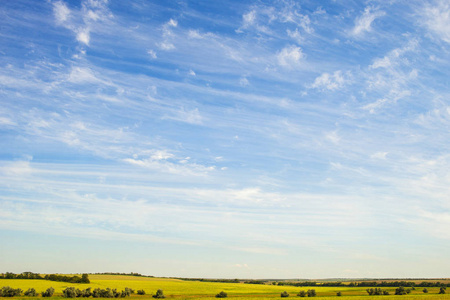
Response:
column 226, row 139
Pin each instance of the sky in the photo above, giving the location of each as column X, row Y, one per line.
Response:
column 225, row 139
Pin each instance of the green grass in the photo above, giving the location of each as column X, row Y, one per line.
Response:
column 179, row 289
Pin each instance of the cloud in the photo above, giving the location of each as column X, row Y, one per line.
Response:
column 290, row 56
column 61, row 12
column 82, row 75
column 364, row 22
column 436, row 17
column 83, row 36
column 243, row 81
column 189, row 116
column 152, row 54
column 330, row 82
column 17, row 168
column 4, row 121
column 84, row 21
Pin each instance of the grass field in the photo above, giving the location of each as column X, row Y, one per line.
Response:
column 179, row 289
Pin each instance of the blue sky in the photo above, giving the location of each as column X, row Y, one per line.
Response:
column 240, row 139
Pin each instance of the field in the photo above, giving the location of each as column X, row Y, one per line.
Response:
column 179, row 289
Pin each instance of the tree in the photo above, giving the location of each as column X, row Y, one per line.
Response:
column 302, row 294
column 85, row 278
column 31, row 292
column 159, row 294
column 442, row 290
column 338, row 294
column 48, row 293
column 284, row 294
column 425, row 290
column 311, row 293
column 140, row 292
column 222, row 294
column 400, row 291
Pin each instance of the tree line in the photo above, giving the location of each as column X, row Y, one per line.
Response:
column 364, row 284
column 52, row 277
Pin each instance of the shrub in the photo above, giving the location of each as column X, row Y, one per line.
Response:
column 101, row 293
column 425, row 290
column 400, row 291
column 7, row 291
column 222, row 294
column 159, row 294
column 311, row 293
column 385, row 292
column 284, row 294
column 69, row 292
column 302, row 294
column 48, row 292
column 442, row 290
column 31, row 292
column 86, row 293
column 338, row 294
column 140, row 292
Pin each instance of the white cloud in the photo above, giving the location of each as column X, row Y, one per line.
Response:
column 379, row 155
column 152, row 54
column 6, row 121
column 295, row 35
column 436, row 17
column 166, row 46
column 191, row 73
column 82, row 75
column 61, row 12
column 172, row 23
column 330, row 82
column 244, row 81
column 189, row 116
column 248, row 19
column 17, row 168
column 83, row 36
column 364, row 22
column 290, row 56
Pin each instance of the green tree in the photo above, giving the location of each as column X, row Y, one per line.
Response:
column 159, row 294
column 222, row 294
column 302, row 294
column 284, row 294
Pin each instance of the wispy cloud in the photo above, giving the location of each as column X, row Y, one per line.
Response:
column 363, row 23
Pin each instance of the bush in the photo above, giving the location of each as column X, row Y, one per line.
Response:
column 400, row 291
column 31, row 292
column 159, row 294
column 48, row 292
column 222, row 294
column 69, row 292
column 302, row 294
column 338, row 294
column 7, row 291
column 101, row 293
column 86, row 293
column 140, row 292
column 442, row 290
column 425, row 290
column 284, row 294
column 311, row 293
column 385, row 292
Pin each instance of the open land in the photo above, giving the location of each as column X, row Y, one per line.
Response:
column 182, row 289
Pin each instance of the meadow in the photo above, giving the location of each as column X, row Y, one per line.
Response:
column 180, row 289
